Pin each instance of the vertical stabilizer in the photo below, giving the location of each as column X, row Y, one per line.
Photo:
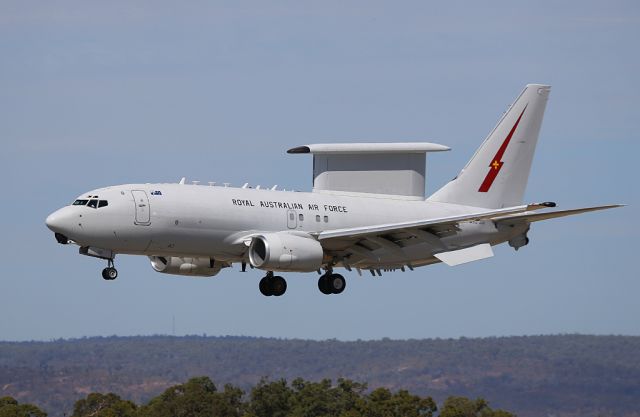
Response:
column 497, row 174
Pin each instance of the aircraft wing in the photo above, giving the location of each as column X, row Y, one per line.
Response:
column 395, row 236
column 365, row 231
column 536, row 217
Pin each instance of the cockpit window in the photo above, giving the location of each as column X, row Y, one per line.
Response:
column 91, row 203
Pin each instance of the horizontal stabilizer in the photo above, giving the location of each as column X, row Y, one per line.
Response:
column 536, row 217
column 462, row 256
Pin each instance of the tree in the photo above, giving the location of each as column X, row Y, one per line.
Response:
column 270, row 399
column 312, row 399
column 464, row 407
column 382, row 403
column 198, row 397
column 349, row 397
column 9, row 407
column 228, row 403
column 191, row 399
column 104, row 405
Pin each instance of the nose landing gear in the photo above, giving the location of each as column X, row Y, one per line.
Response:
column 272, row 285
column 109, row 273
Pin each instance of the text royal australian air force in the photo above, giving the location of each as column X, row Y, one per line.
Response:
column 288, row 205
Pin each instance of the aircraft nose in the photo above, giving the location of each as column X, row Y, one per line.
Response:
column 59, row 221
column 53, row 221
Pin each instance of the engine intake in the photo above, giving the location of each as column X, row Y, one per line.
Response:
column 199, row 267
column 285, row 252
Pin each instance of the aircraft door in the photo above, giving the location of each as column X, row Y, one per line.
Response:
column 292, row 219
column 143, row 213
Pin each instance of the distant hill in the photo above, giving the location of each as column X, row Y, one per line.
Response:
column 567, row 375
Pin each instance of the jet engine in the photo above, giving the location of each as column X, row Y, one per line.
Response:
column 285, row 252
column 199, row 267
column 519, row 241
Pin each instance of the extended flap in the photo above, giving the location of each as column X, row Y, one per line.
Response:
column 462, row 256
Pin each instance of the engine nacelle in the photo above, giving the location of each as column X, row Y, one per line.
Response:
column 285, row 252
column 519, row 241
column 198, row 267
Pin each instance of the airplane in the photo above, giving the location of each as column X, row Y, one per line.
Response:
column 367, row 211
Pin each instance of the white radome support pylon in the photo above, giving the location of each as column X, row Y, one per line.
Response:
column 367, row 211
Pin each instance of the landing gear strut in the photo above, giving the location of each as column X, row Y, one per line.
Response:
column 272, row 285
column 109, row 273
column 331, row 283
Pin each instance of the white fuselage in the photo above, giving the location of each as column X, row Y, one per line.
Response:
column 209, row 221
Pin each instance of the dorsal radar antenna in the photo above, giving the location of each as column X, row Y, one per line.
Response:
column 396, row 168
column 183, row 180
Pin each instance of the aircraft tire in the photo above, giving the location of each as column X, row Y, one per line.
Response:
column 109, row 273
column 337, row 283
column 278, row 286
column 323, row 285
column 265, row 287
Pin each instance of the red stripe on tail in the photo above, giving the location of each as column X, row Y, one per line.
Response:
column 496, row 163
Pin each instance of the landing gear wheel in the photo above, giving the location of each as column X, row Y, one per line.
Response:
column 278, row 286
column 336, row 283
column 272, row 285
column 109, row 273
column 323, row 285
column 265, row 287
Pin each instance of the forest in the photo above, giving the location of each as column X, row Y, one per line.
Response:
column 563, row 375
column 200, row 397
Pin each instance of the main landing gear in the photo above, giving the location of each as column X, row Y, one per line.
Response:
column 331, row 283
column 109, row 273
column 272, row 285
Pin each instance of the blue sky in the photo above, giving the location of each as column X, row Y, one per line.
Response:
column 99, row 93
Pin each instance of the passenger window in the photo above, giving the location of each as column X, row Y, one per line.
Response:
column 93, row 204
column 326, row 219
column 292, row 216
column 301, row 217
column 317, row 217
column 103, row 203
